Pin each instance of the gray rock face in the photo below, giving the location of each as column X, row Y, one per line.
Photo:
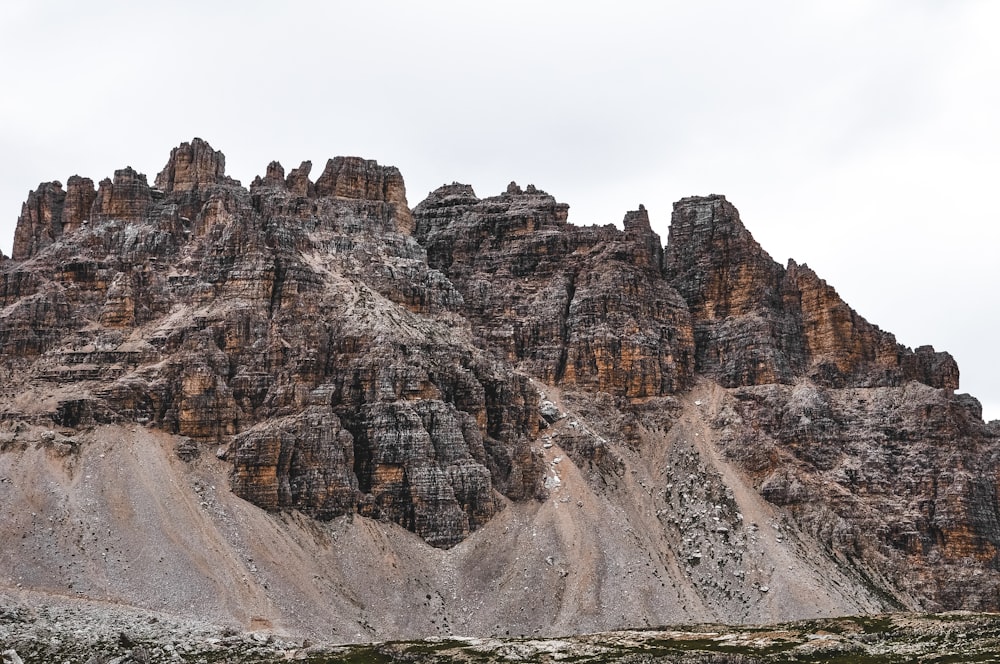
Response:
column 264, row 321
column 758, row 323
column 346, row 356
column 898, row 479
column 583, row 307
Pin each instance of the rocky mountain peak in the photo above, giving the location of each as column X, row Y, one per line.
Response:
column 40, row 222
column 193, row 166
column 364, row 179
column 529, row 193
column 423, row 429
column 637, row 221
column 79, row 203
column 273, row 177
column 544, row 293
column 715, row 263
column 128, row 197
column 298, row 182
column 639, row 232
column 757, row 322
column 349, row 178
column 450, row 195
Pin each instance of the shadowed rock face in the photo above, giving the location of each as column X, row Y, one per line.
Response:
column 348, row 356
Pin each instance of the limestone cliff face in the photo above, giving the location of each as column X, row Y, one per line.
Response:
column 902, row 480
column 50, row 211
column 79, row 203
column 263, row 322
column 757, row 322
column 364, row 179
column 193, row 166
column 577, row 306
column 861, row 439
column 40, row 222
column 126, row 198
column 346, row 355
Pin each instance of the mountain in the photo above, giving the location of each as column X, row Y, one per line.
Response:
column 305, row 407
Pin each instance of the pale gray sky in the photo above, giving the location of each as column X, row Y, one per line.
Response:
column 859, row 136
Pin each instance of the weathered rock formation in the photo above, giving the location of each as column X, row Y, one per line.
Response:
column 577, row 306
column 858, row 437
column 40, row 222
column 264, row 322
column 193, row 166
column 758, row 323
column 79, row 203
column 901, row 479
column 346, row 356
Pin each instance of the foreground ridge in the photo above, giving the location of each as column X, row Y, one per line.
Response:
column 268, row 391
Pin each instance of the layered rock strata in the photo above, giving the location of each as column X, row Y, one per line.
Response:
column 861, row 439
column 900, row 481
column 757, row 322
column 579, row 306
column 307, row 333
column 346, row 355
column 771, row 334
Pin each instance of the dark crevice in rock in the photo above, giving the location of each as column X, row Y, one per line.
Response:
column 564, row 329
column 277, row 287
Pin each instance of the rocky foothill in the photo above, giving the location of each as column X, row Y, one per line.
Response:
column 362, row 421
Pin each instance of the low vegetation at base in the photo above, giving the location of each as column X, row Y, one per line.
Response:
column 30, row 636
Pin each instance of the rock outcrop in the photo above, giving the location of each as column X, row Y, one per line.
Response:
column 758, row 323
column 263, row 322
column 345, row 356
column 79, row 204
column 126, row 198
column 193, row 166
column 901, row 480
column 40, row 223
column 577, row 306
column 857, row 436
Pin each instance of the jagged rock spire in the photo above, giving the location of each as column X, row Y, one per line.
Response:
column 40, row 222
column 193, row 166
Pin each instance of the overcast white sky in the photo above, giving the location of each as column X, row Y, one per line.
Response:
column 860, row 137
